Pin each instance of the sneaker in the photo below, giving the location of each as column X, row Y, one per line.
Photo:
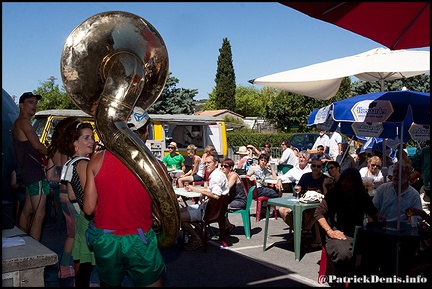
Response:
column 66, row 272
column 193, row 245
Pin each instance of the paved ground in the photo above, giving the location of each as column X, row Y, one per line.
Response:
column 243, row 264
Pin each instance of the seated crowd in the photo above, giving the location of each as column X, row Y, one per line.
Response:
column 354, row 189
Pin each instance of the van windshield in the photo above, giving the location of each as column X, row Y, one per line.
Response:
column 39, row 126
column 184, row 135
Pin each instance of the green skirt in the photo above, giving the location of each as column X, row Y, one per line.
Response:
column 81, row 251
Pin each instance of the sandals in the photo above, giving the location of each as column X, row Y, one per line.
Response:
column 193, row 245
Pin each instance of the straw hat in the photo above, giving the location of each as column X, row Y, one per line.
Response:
column 242, row 151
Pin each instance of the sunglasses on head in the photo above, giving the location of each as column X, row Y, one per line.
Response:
column 317, row 166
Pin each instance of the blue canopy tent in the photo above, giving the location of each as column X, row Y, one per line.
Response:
column 399, row 115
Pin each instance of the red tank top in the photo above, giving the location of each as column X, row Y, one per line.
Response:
column 123, row 203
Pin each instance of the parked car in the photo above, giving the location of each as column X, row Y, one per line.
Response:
column 304, row 141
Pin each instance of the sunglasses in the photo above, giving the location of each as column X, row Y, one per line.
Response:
column 283, row 144
column 226, row 166
column 316, row 166
column 375, row 165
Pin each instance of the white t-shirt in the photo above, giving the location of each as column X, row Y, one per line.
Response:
column 321, row 140
column 288, row 157
column 364, row 172
column 333, row 144
column 218, row 183
column 294, row 174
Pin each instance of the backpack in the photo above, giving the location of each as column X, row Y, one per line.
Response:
column 67, row 170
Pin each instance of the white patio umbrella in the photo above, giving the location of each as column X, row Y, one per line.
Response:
column 322, row 80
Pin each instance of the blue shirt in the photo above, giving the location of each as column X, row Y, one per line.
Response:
column 386, row 201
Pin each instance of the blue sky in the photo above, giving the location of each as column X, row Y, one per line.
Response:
column 265, row 38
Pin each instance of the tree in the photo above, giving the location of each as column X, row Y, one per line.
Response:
column 288, row 111
column 174, row 100
column 225, row 89
column 251, row 102
column 53, row 97
column 419, row 83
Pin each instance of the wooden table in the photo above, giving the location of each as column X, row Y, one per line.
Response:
column 297, row 208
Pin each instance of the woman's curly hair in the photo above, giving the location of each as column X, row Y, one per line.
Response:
column 58, row 134
column 71, row 133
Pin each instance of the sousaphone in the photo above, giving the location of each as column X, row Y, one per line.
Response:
column 110, row 63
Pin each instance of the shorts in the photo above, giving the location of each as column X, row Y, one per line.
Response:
column 36, row 188
column 197, row 178
column 118, row 256
column 267, row 192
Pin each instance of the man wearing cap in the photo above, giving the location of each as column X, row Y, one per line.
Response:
column 174, row 158
column 139, row 123
column 29, row 154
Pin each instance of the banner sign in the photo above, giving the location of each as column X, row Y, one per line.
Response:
column 372, row 111
column 367, row 129
column 419, row 131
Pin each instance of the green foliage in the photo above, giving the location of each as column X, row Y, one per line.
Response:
column 288, row 112
column 174, row 100
column 210, row 104
column 250, row 101
column 53, row 97
column 225, row 89
column 419, row 83
column 234, row 120
column 246, row 136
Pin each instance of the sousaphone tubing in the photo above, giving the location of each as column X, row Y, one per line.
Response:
column 110, row 63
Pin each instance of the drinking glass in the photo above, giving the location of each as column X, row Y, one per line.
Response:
column 297, row 190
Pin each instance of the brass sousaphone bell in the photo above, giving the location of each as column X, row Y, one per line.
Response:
column 110, row 63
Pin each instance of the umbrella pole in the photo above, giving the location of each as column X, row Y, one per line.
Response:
column 346, row 151
column 399, row 192
column 384, row 169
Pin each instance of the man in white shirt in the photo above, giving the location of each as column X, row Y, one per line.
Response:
column 294, row 174
column 335, row 144
column 288, row 155
column 218, row 186
column 322, row 139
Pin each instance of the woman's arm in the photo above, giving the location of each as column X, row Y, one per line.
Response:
column 195, row 168
column 50, row 171
column 232, row 180
column 90, row 191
